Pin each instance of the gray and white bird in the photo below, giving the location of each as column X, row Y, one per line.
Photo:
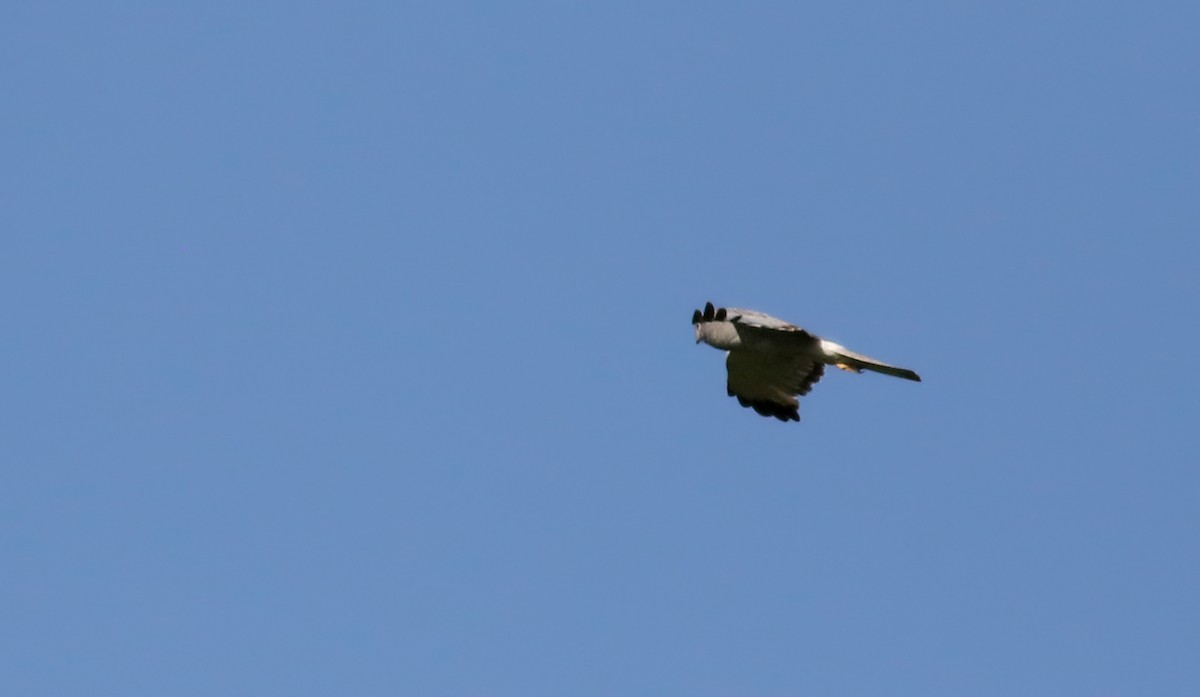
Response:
column 771, row 362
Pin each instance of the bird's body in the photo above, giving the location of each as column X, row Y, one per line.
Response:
column 771, row 362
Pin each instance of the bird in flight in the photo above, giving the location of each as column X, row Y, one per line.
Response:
column 771, row 362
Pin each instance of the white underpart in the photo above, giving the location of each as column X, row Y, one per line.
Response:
column 831, row 349
column 721, row 335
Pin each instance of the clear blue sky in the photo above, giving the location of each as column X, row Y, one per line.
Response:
column 347, row 351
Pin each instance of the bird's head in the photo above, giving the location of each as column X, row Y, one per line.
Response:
column 715, row 329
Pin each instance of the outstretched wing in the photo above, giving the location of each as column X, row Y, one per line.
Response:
column 759, row 331
column 769, row 382
column 757, row 320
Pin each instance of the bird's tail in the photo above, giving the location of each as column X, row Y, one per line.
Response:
column 846, row 359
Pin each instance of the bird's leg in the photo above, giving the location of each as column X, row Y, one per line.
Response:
column 848, row 368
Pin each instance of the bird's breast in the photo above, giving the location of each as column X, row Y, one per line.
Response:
column 722, row 335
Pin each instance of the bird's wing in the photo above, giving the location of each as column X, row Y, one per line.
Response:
column 769, row 382
column 761, row 331
column 758, row 320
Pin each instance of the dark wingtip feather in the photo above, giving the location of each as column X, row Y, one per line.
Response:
column 813, row 377
column 720, row 316
column 696, row 318
column 709, row 311
column 765, row 408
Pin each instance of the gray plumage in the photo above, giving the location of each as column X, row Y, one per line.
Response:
column 771, row 362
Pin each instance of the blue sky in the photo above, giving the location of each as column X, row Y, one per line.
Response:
column 347, row 348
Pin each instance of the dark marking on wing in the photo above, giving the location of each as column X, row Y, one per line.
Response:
column 811, row 378
column 779, row 411
column 711, row 314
